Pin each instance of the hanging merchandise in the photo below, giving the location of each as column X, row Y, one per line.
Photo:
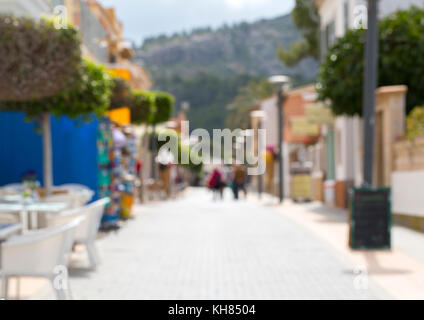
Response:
column 129, row 167
column 124, row 170
column 105, row 178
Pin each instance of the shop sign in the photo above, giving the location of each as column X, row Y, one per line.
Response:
column 319, row 114
column 120, row 73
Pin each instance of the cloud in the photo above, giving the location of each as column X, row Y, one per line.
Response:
column 144, row 18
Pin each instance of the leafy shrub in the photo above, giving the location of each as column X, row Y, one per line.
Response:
column 89, row 94
column 163, row 107
column 141, row 106
column 401, row 62
column 415, row 123
column 36, row 59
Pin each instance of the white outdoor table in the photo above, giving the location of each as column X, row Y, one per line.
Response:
column 26, row 210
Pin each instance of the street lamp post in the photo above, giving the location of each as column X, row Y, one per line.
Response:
column 259, row 118
column 280, row 83
column 370, row 85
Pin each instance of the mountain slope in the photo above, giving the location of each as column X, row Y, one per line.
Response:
column 206, row 67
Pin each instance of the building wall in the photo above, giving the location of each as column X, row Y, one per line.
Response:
column 389, row 6
column 358, row 128
column 294, row 106
column 344, row 148
column 34, row 8
column 407, row 192
column 269, row 106
column 93, row 34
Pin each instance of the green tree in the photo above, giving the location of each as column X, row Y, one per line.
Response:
column 305, row 17
column 163, row 107
column 400, row 63
column 89, row 95
column 247, row 99
column 36, row 59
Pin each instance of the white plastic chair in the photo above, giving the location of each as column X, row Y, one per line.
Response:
column 38, row 254
column 87, row 230
column 8, row 217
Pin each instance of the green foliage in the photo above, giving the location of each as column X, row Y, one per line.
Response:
column 305, row 17
column 121, row 94
column 163, row 107
column 208, row 95
column 142, row 104
column 36, row 59
column 401, row 62
column 146, row 107
column 415, row 123
column 248, row 97
column 90, row 94
column 341, row 75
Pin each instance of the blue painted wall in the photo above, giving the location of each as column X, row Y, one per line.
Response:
column 74, row 150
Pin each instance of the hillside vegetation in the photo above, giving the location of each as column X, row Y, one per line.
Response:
column 208, row 67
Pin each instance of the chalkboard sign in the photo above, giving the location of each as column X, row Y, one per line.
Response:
column 370, row 218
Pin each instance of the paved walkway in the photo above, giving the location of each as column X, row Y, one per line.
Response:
column 194, row 248
column 399, row 272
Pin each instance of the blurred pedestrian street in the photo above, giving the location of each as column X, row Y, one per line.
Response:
column 197, row 248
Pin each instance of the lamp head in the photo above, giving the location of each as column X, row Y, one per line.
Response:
column 280, row 81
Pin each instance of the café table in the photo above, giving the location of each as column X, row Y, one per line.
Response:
column 28, row 212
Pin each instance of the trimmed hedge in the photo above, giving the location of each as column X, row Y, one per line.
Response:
column 141, row 106
column 36, row 59
column 163, row 107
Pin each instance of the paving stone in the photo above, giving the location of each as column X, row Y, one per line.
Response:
column 195, row 248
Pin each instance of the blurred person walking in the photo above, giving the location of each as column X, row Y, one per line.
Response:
column 216, row 184
column 239, row 181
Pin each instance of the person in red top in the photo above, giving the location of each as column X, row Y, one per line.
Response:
column 216, row 184
column 138, row 167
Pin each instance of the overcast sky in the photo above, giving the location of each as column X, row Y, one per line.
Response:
column 144, row 18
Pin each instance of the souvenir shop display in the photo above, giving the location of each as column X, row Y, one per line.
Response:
column 124, row 170
column 105, row 161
